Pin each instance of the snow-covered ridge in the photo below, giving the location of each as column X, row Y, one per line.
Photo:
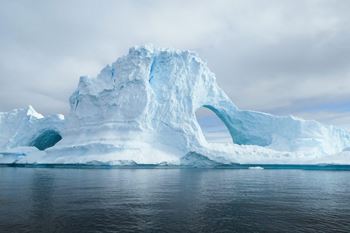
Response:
column 142, row 108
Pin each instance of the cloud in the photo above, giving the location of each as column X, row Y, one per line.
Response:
column 284, row 57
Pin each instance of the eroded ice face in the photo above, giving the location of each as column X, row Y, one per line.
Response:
column 132, row 100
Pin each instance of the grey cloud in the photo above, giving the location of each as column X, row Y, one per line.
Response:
column 284, row 57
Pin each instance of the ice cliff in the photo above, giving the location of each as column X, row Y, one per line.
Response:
column 141, row 109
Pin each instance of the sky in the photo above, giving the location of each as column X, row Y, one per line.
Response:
column 278, row 56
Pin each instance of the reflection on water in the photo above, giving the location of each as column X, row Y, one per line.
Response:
column 173, row 200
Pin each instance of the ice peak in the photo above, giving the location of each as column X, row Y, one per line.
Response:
column 30, row 111
column 149, row 50
column 142, row 49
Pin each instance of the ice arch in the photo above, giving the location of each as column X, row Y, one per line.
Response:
column 249, row 127
column 212, row 126
column 46, row 139
column 245, row 127
column 224, row 118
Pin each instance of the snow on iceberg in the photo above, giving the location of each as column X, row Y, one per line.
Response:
column 142, row 108
column 27, row 128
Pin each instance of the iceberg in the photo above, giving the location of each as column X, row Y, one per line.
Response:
column 141, row 109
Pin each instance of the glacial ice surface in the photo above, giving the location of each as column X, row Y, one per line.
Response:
column 141, row 109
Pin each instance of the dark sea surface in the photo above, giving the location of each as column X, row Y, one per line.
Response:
column 173, row 200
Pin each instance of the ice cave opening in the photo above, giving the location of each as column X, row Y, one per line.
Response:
column 46, row 139
column 213, row 128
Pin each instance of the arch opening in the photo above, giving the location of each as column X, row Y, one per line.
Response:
column 46, row 139
column 213, row 127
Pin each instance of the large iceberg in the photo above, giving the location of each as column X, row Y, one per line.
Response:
column 141, row 109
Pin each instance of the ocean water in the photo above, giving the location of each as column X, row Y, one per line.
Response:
column 173, row 200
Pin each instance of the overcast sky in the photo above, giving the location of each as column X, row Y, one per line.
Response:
column 282, row 57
